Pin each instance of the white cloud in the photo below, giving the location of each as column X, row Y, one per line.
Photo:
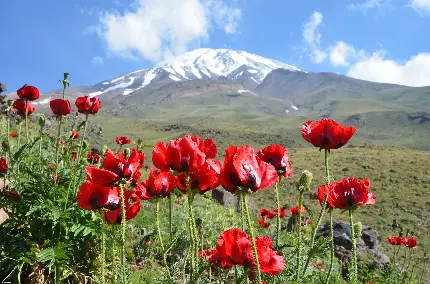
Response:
column 224, row 16
column 420, row 5
column 369, row 4
column 341, row 54
column 414, row 72
column 159, row 29
column 97, row 60
column 312, row 37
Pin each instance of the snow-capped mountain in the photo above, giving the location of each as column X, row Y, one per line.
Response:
column 200, row 64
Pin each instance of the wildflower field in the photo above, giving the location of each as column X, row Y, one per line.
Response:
column 77, row 214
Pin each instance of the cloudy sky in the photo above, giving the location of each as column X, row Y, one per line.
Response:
column 93, row 40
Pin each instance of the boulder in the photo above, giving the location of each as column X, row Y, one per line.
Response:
column 367, row 244
column 224, row 198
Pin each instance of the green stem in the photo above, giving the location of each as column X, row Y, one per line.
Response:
column 26, row 121
column 405, row 272
column 192, row 242
column 331, row 247
column 59, row 118
column 19, row 134
column 353, row 269
column 245, row 275
column 251, row 234
column 170, row 217
column 242, row 212
column 278, row 217
column 8, row 137
column 123, row 226
column 424, row 269
column 236, row 276
column 193, row 227
column 299, row 236
column 321, row 214
column 83, row 137
column 157, row 218
column 102, row 268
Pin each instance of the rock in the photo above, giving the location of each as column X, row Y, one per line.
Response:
column 224, row 198
column 367, row 244
column 2, row 88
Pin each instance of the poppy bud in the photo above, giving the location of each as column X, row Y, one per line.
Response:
column 139, row 143
column 42, row 120
column 305, row 181
column 127, row 153
column 84, row 144
column 358, row 229
column 5, row 146
column 10, row 102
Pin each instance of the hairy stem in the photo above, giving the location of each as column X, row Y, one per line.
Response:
column 331, row 247
column 102, row 267
column 192, row 240
column 353, row 269
column 83, row 137
column 123, row 227
column 157, row 218
column 26, row 121
column 242, row 212
column 299, row 237
column 251, row 234
column 321, row 214
column 170, row 217
column 278, row 217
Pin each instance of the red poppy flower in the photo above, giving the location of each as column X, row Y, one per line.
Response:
column 158, row 184
column 93, row 157
column 400, row 241
column 242, row 168
column 206, row 178
column 295, row 210
column 277, row 156
column 122, row 140
column 3, row 166
column 266, row 213
column 411, row 243
column 392, row 240
column 74, row 135
column 13, row 135
column 132, row 207
column 19, row 106
column 263, row 224
column 185, row 154
column 282, row 212
column 307, row 222
column 147, row 243
column 270, row 261
column 116, row 168
column 92, row 196
column 347, row 193
column 74, row 155
column 327, row 133
column 28, row 93
column 60, row 106
column 11, row 193
column 138, row 263
column 87, row 105
column 319, row 266
column 234, row 247
column 206, row 253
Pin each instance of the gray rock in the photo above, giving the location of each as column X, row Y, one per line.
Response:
column 2, row 88
column 367, row 244
column 224, row 198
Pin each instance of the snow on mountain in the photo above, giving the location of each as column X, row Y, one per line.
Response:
column 204, row 63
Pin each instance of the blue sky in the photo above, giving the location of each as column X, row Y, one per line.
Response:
column 93, row 40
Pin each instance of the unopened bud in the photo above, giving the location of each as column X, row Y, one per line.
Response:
column 127, row 152
column 5, row 146
column 139, row 143
column 42, row 120
column 305, row 181
column 358, row 229
column 84, row 144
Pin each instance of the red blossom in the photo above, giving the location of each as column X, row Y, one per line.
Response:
column 411, row 243
column 19, row 106
column 74, row 135
column 327, row 133
column 60, row 107
column 263, row 224
column 282, row 212
column 13, row 134
column 93, row 157
column 147, row 243
column 158, row 184
column 319, row 266
column 92, row 196
column 87, row 105
column 3, row 166
column 347, row 193
column 28, row 93
column 187, row 154
column 295, row 210
column 10, row 192
column 122, row 140
column 132, row 207
column 266, row 213
column 242, row 168
column 277, row 156
column 206, row 178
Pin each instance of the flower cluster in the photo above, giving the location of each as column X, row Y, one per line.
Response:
column 267, row 214
column 408, row 242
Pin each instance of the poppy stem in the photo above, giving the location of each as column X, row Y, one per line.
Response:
column 59, row 119
column 299, row 236
column 353, row 269
column 83, row 137
column 251, row 234
column 245, row 275
column 123, row 226
column 102, row 268
column 19, row 134
column 320, row 216
column 331, row 247
column 157, row 219
column 170, row 218
column 278, row 216
column 192, row 240
column 242, row 213
column 8, row 137
column 26, row 121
